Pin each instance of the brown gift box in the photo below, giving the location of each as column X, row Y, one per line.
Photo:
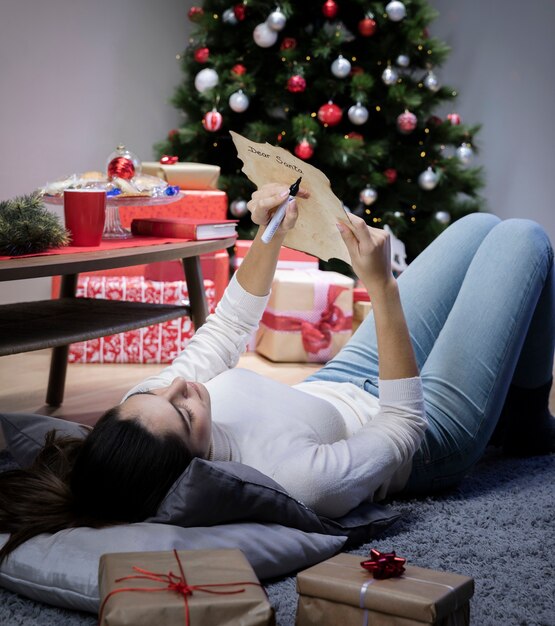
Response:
column 304, row 296
column 340, row 591
column 360, row 313
column 167, row 607
column 185, row 175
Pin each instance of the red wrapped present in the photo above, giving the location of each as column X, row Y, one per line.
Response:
column 308, row 318
column 289, row 259
column 159, row 343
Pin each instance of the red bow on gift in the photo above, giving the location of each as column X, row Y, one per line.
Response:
column 384, row 564
column 173, row 582
column 169, row 160
column 316, row 336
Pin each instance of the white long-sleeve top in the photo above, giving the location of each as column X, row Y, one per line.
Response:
column 330, row 445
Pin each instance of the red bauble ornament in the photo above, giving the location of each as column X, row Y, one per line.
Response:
column 239, row 11
column 195, row 13
column 121, row 167
column 434, row 120
column 238, row 69
column 406, row 122
column 454, row 118
column 356, row 136
column 212, row 121
column 289, row 43
column 330, row 9
column 296, row 84
column 367, row 27
column 304, row 150
column 330, row 114
column 168, row 160
column 356, row 69
column 201, row 55
column 391, row 175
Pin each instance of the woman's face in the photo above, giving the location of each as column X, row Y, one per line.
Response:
column 182, row 407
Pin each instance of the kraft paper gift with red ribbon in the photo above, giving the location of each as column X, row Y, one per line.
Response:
column 308, row 318
column 181, row 588
column 159, row 343
column 341, row 591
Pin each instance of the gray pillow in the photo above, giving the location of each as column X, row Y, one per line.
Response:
column 62, row 569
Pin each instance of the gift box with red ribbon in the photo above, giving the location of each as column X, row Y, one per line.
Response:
column 381, row 590
column 308, row 318
column 185, row 588
column 159, row 343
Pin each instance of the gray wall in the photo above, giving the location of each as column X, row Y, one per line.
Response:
column 78, row 77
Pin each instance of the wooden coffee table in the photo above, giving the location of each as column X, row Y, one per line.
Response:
column 26, row 326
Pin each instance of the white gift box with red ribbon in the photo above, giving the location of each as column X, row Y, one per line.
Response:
column 308, row 318
column 159, row 343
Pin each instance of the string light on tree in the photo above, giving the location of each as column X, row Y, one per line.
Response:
column 264, row 36
column 276, row 20
column 238, row 102
column 341, row 67
column 390, row 75
column 358, row 114
column 406, row 122
column 464, row 153
column 368, row 196
column 212, row 120
column 428, row 179
column 206, row 79
column 396, row 11
column 238, row 208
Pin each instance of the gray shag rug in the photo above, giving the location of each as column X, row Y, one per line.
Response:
column 497, row 527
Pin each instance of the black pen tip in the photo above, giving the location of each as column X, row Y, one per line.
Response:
column 294, row 189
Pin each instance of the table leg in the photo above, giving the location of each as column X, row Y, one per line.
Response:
column 195, row 287
column 58, row 360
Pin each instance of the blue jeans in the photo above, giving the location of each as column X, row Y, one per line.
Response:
column 479, row 304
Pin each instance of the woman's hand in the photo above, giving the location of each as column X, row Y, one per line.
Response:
column 370, row 252
column 265, row 200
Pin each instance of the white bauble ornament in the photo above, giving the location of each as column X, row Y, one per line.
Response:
column 389, row 75
column 341, row 67
column 464, row 153
column 276, row 20
column 238, row 208
column 442, row 217
column 264, row 36
column 431, row 82
column 396, row 11
column 403, row 60
column 368, row 196
column 238, row 102
column 358, row 114
column 228, row 16
column 428, row 180
column 206, row 79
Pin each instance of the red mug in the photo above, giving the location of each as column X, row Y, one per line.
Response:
column 85, row 213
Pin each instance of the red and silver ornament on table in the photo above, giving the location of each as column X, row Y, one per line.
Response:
column 122, row 163
column 212, row 120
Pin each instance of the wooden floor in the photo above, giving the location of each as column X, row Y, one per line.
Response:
column 93, row 388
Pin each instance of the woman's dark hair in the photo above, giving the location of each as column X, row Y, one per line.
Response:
column 119, row 473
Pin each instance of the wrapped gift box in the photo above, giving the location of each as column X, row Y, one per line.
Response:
column 185, row 175
column 308, row 318
column 288, row 258
column 361, row 306
column 340, row 591
column 218, row 587
column 159, row 343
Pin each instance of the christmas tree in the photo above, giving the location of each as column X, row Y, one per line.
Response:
column 349, row 86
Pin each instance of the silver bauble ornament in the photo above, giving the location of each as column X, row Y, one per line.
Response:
column 238, row 208
column 341, row 67
column 398, row 214
column 389, row 75
column 464, row 153
column 396, row 11
column 358, row 114
column 206, row 79
column 402, row 60
column 442, row 217
column 276, row 20
column 428, row 180
column 431, row 82
column 368, row 196
column 228, row 16
column 238, row 102
column 264, row 36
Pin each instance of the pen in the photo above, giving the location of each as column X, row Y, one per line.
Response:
column 278, row 216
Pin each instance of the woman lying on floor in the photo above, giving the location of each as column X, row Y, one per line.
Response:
column 479, row 310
